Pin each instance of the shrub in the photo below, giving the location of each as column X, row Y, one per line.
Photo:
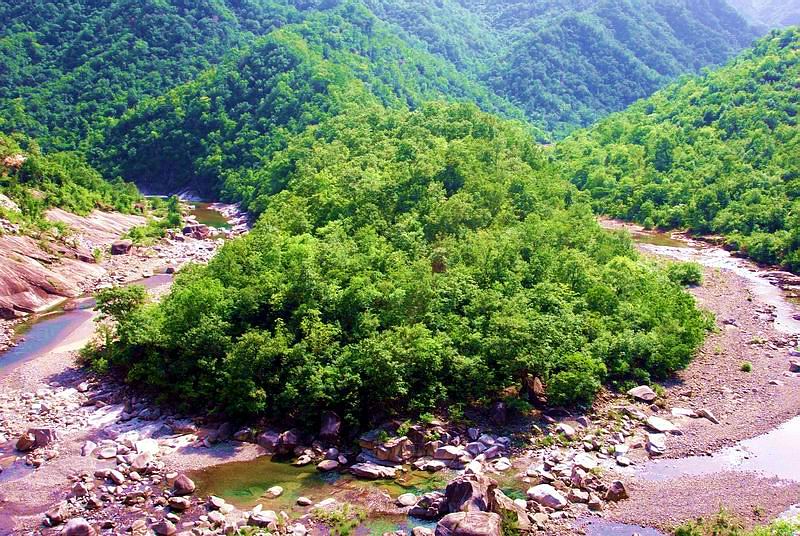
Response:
column 685, row 273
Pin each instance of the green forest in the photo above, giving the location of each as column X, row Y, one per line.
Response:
column 404, row 260
column 418, row 247
column 718, row 154
column 68, row 67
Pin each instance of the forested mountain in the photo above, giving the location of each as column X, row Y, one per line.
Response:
column 716, row 154
column 771, row 13
column 67, row 65
column 217, row 132
column 405, row 260
column 567, row 63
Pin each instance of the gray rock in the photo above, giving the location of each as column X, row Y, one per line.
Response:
column 660, row 425
column 643, row 393
column 327, row 465
column 373, row 471
column 548, row 496
column 407, row 499
column 656, row 444
column 78, row 527
column 706, row 413
column 470, row 524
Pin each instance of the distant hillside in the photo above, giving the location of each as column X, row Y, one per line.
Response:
column 568, row 63
column 771, row 13
column 717, row 154
column 68, row 66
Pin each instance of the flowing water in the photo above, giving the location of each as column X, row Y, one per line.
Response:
column 43, row 333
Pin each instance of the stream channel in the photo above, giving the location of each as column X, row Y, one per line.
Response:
column 244, row 483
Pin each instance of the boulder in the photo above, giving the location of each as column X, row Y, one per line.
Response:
column 179, row 503
column 548, row 496
column 794, row 365
column 330, row 427
column 269, row 441
column 507, row 508
column 643, row 393
column 585, row 462
column 470, row 493
column 288, row 441
column 327, row 465
column 26, row 442
column 165, row 527
column 78, row 527
column 183, row 485
column 265, row 519
column 470, row 524
column 656, row 444
column 706, row 414
column 566, row 429
column 616, row 491
column 430, row 506
column 121, row 247
column 395, row 450
column 449, row 452
column 197, row 231
column 660, row 425
column 43, row 436
column 373, row 471
column 407, row 499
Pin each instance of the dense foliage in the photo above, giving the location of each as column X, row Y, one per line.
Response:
column 213, row 132
column 570, row 62
column 717, row 154
column 772, row 13
column 405, row 260
column 66, row 66
column 37, row 181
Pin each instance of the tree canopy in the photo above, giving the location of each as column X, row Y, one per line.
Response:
column 713, row 154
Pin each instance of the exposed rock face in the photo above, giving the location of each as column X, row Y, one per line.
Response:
column 470, row 524
column 32, row 279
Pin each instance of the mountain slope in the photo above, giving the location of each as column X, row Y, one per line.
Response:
column 67, row 66
column 716, row 154
column 210, row 134
column 569, row 63
column 771, row 13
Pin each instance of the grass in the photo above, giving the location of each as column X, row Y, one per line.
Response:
column 726, row 524
column 747, row 366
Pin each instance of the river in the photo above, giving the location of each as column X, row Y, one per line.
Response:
column 244, row 483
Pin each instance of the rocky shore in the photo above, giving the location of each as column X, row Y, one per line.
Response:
column 83, row 455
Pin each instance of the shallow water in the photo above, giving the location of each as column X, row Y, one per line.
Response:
column 604, row 527
column 208, row 216
column 773, row 454
column 42, row 333
column 244, row 485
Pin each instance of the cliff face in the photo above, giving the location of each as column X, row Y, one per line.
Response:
column 36, row 275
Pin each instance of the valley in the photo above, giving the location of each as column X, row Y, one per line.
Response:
column 427, row 268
